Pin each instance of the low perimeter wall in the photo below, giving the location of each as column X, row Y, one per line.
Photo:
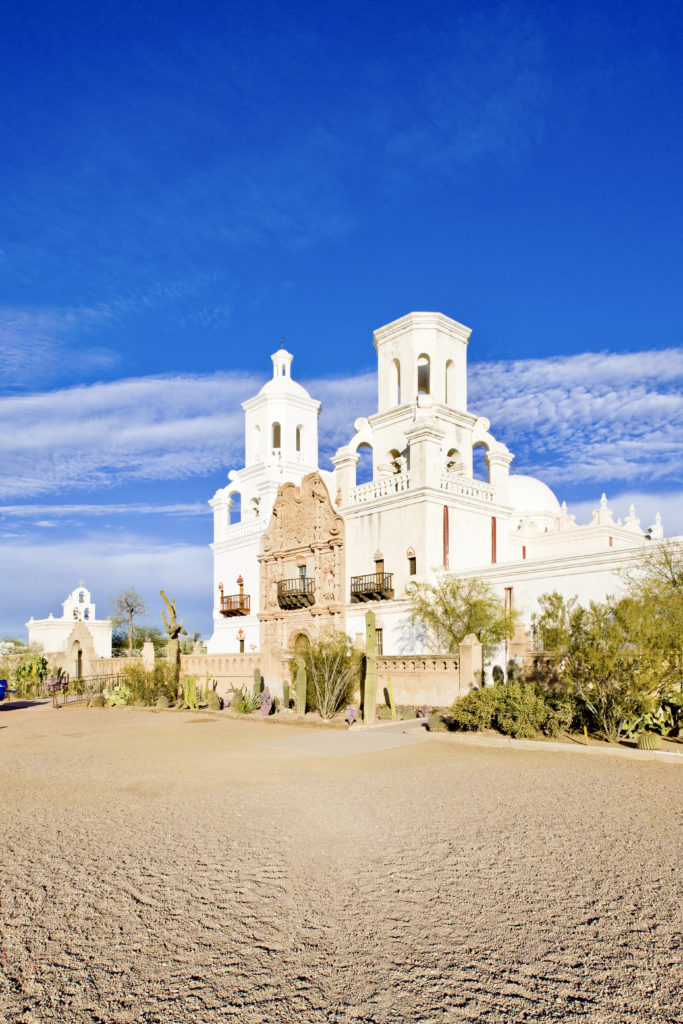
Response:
column 420, row 680
column 416, row 679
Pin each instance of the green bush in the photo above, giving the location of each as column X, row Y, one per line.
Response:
column 30, row 674
column 147, row 687
column 474, row 711
column 516, row 709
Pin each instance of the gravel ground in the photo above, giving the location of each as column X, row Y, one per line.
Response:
column 164, row 867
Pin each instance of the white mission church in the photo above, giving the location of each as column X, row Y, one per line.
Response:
column 314, row 548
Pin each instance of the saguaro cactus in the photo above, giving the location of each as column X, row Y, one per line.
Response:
column 301, row 688
column 370, row 689
column 257, row 681
column 392, row 703
column 173, row 629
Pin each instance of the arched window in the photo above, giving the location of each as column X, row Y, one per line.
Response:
column 299, row 436
column 276, row 436
column 364, row 471
column 81, row 597
column 86, row 613
column 454, row 463
column 450, row 382
column 480, row 469
column 234, row 507
column 75, row 613
column 397, row 381
column 423, row 375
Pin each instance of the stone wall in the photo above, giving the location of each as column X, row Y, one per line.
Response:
column 423, row 679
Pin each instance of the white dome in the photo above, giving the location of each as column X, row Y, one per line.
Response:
column 530, row 497
column 281, row 384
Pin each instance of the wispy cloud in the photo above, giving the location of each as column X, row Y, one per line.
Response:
column 34, row 344
column 589, row 418
column 135, row 508
column 586, row 419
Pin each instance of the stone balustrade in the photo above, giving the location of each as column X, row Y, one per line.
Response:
column 380, row 488
column 467, row 487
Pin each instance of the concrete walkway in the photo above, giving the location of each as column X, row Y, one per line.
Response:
column 352, row 742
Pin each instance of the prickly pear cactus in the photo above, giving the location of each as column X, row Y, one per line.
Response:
column 649, row 741
column 301, row 689
column 163, row 701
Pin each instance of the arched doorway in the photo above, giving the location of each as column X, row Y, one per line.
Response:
column 302, row 645
column 78, row 661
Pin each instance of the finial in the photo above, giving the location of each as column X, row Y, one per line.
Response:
column 632, row 510
column 563, row 508
column 658, row 519
column 603, row 500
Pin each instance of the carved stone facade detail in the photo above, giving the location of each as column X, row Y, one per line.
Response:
column 304, row 540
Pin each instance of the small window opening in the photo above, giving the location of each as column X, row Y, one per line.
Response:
column 302, row 572
column 86, row 613
column 412, row 565
column 276, row 435
column 450, row 383
column 241, row 646
column 423, row 375
column 379, row 642
column 298, row 438
column 81, row 597
column 397, row 382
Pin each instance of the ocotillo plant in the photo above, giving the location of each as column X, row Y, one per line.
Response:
column 301, row 689
column 370, row 688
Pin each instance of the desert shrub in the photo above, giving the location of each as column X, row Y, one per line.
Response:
column 147, row 687
column 474, row 711
column 516, row 709
column 333, row 673
column 30, row 674
column 520, row 711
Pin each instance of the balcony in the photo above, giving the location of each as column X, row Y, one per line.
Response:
column 235, row 604
column 377, row 586
column 296, row 593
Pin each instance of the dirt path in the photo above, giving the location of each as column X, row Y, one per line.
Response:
column 171, row 867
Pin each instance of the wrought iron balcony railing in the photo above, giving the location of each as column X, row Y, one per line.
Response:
column 377, row 586
column 235, row 604
column 296, row 593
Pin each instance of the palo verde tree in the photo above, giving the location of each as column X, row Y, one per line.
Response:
column 656, row 583
column 124, row 607
column 454, row 607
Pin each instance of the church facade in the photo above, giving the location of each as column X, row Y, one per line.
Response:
column 314, row 547
column 76, row 640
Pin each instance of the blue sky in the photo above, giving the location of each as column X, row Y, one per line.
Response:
column 185, row 184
